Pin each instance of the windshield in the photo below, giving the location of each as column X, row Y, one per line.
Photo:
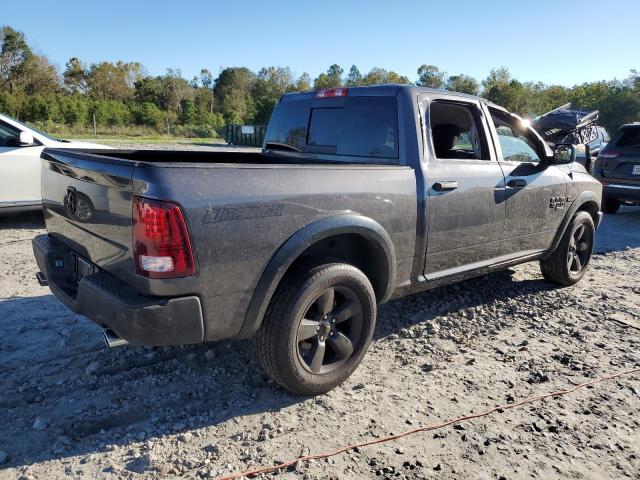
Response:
column 31, row 127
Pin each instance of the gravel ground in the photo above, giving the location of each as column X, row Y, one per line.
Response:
column 71, row 408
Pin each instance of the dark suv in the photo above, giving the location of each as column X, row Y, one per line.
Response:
column 618, row 168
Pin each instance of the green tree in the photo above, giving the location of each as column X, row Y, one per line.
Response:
column 331, row 79
column 380, row 76
column 75, row 76
column 108, row 81
column 148, row 113
column 150, row 90
column 303, row 84
column 14, row 52
column 463, row 83
column 500, row 88
column 270, row 84
column 355, row 77
column 206, row 83
column 74, row 109
column 176, row 90
column 430, row 76
column 232, row 91
column 39, row 76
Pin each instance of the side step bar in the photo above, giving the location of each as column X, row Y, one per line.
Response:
column 112, row 340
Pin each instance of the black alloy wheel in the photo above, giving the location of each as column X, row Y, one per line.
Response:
column 317, row 328
column 329, row 329
column 580, row 247
column 568, row 263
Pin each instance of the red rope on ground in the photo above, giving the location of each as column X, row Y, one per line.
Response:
column 426, row 428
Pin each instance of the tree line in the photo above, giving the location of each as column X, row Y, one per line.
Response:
column 123, row 94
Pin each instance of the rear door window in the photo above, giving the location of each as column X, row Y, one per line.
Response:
column 456, row 131
column 361, row 127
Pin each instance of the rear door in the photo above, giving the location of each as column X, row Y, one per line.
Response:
column 621, row 157
column 464, row 187
column 535, row 191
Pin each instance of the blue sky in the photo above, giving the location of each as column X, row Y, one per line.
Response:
column 562, row 42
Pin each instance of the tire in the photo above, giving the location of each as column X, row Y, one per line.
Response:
column 568, row 263
column 337, row 326
column 611, row 205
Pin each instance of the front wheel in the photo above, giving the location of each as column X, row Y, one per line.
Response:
column 568, row 262
column 317, row 328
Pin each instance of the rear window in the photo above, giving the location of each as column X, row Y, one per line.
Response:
column 629, row 137
column 361, row 127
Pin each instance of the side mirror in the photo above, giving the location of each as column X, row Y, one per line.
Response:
column 563, row 154
column 26, row 139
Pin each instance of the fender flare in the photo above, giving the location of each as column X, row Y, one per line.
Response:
column 583, row 198
column 295, row 245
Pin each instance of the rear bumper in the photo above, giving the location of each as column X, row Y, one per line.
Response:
column 630, row 193
column 113, row 304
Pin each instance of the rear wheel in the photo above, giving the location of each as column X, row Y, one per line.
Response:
column 611, row 205
column 568, row 262
column 317, row 328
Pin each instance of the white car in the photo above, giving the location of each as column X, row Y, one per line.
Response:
column 20, row 149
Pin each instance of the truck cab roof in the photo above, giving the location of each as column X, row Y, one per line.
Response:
column 390, row 90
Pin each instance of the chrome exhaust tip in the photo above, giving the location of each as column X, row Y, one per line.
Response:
column 112, row 340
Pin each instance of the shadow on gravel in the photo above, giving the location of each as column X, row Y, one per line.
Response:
column 619, row 231
column 21, row 220
column 64, row 394
column 451, row 299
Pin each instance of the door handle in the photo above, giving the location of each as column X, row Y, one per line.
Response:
column 445, row 186
column 517, row 183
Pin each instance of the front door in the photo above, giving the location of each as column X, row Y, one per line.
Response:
column 536, row 191
column 464, row 204
column 19, row 170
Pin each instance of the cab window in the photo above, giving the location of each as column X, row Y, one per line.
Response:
column 456, row 131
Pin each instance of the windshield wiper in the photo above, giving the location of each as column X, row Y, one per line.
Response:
column 280, row 146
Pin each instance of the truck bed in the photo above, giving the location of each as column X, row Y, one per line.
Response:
column 239, row 209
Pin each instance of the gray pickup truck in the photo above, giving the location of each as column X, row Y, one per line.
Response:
column 359, row 196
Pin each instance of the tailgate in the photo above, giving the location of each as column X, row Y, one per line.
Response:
column 625, row 166
column 87, row 201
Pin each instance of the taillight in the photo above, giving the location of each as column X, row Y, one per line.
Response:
column 332, row 92
column 161, row 245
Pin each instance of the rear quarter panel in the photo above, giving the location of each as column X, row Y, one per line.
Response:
column 239, row 215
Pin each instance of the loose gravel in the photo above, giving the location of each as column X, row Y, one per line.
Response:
column 73, row 409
